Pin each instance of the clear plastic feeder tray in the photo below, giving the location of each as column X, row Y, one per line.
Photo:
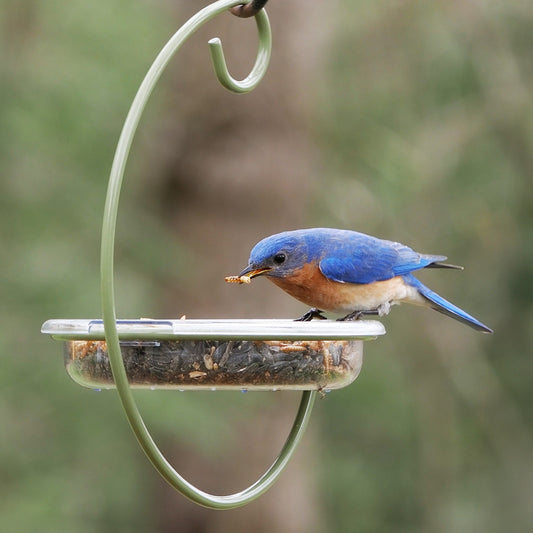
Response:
column 218, row 354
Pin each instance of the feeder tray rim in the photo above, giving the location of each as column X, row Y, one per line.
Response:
column 215, row 329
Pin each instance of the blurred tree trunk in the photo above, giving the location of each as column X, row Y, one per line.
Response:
column 233, row 169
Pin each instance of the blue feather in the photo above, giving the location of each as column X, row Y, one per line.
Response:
column 438, row 303
column 353, row 257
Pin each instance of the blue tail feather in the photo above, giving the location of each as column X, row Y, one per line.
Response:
column 443, row 306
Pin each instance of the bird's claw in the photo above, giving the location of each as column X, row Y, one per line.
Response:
column 312, row 313
column 356, row 315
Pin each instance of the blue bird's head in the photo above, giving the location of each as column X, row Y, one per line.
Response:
column 279, row 255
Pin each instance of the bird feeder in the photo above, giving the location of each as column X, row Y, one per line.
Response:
column 205, row 354
column 217, row 354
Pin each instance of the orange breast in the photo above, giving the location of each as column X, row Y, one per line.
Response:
column 310, row 286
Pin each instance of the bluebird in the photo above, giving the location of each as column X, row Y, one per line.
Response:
column 347, row 272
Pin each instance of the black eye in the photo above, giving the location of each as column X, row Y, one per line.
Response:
column 279, row 258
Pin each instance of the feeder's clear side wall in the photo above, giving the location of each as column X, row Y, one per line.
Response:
column 219, row 365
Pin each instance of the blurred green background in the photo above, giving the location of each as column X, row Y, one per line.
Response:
column 421, row 121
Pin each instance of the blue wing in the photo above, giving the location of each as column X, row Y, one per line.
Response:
column 358, row 258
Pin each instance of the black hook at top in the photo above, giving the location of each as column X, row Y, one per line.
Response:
column 248, row 10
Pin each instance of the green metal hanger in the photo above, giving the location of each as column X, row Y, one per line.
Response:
column 107, row 254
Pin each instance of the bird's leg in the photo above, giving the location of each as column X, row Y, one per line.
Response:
column 356, row 315
column 312, row 313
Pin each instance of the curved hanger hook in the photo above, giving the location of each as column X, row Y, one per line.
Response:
column 107, row 271
column 261, row 63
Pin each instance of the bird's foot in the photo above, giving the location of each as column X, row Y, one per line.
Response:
column 356, row 315
column 312, row 313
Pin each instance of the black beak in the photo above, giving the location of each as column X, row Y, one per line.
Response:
column 251, row 271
